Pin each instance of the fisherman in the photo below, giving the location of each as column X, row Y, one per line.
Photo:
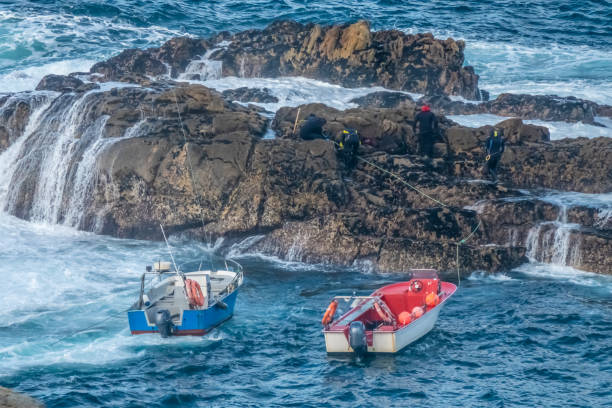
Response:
column 349, row 147
column 312, row 128
column 428, row 130
column 495, row 147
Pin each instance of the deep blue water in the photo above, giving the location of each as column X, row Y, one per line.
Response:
column 532, row 337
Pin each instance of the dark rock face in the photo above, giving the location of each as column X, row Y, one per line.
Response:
column 244, row 94
column 543, row 107
column 15, row 111
column 64, row 83
column 383, row 99
column 350, row 55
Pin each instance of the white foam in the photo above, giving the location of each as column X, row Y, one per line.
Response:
column 580, row 71
column 510, row 67
column 572, row 275
column 26, row 79
column 295, row 91
column 33, row 45
column 493, row 277
column 558, row 130
column 572, row 199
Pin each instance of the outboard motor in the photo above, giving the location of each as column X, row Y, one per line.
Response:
column 163, row 321
column 357, row 337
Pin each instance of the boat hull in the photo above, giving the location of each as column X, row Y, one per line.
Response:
column 193, row 322
column 390, row 341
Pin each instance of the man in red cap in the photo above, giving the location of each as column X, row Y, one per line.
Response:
column 428, row 130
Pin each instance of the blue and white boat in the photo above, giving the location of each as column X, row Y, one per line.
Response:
column 185, row 304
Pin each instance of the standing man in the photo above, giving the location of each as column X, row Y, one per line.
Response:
column 495, row 148
column 428, row 130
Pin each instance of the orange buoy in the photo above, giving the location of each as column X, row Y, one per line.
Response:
column 417, row 312
column 329, row 313
column 432, row 300
column 194, row 292
column 404, row 318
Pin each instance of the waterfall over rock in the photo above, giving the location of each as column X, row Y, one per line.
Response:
column 49, row 172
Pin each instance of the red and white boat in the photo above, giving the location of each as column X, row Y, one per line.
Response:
column 390, row 318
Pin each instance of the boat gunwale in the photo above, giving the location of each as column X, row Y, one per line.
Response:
column 453, row 288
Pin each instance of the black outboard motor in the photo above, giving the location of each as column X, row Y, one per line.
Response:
column 163, row 321
column 357, row 337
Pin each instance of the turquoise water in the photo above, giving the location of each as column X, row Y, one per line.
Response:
column 536, row 336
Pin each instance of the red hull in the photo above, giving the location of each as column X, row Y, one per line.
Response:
column 194, row 332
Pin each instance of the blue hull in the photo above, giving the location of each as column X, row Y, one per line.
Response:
column 195, row 322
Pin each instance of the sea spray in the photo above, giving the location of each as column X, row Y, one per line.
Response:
column 50, row 171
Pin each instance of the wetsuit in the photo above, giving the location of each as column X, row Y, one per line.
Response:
column 428, row 131
column 495, row 147
column 312, row 128
column 350, row 148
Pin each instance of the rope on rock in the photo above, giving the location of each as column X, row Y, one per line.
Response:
column 198, row 196
column 421, row 192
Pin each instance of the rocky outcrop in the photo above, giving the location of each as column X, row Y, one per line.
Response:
column 157, row 151
column 64, row 83
column 531, row 159
column 347, row 54
column 15, row 111
column 383, row 99
column 542, row 107
column 11, row 399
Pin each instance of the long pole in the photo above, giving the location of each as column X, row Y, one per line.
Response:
column 171, row 255
column 296, row 120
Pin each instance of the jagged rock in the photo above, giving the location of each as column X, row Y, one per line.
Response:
column 244, row 94
column 348, row 54
column 15, row 112
column 64, row 83
column 543, row 107
column 384, row 99
column 11, row 399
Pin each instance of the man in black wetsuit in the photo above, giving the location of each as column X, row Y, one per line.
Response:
column 428, row 130
column 495, row 147
column 349, row 147
column 312, row 128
